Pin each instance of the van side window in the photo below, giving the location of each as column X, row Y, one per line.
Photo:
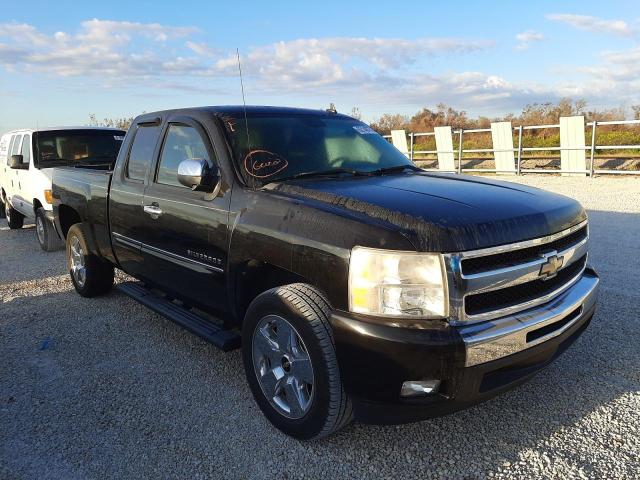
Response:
column 26, row 149
column 10, row 147
column 181, row 143
column 144, row 143
column 15, row 148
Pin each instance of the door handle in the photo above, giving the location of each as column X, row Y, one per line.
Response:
column 154, row 210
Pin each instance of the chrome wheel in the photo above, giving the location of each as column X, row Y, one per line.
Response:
column 7, row 210
column 283, row 366
column 40, row 229
column 78, row 269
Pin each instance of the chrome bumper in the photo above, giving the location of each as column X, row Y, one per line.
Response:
column 507, row 335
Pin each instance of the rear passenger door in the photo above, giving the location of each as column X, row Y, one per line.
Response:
column 126, row 195
column 185, row 246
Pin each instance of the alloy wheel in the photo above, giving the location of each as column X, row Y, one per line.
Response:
column 78, row 269
column 283, row 366
column 40, row 229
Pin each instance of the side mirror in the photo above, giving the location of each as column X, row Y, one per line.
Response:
column 16, row 162
column 196, row 174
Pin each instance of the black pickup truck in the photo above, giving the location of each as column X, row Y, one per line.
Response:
column 357, row 285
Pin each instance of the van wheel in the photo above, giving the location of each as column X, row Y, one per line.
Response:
column 15, row 219
column 90, row 275
column 3, row 209
column 290, row 362
column 46, row 234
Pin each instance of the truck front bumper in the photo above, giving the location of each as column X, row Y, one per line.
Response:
column 472, row 362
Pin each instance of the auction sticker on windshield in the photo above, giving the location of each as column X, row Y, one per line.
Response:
column 364, row 130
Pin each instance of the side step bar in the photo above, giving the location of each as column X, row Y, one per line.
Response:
column 225, row 340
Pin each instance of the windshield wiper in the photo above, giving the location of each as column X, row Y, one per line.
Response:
column 396, row 168
column 323, row 173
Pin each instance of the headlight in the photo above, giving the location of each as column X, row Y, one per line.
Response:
column 397, row 284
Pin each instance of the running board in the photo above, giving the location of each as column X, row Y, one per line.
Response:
column 225, row 340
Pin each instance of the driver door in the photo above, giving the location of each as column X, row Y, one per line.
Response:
column 186, row 233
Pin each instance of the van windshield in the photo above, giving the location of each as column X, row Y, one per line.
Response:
column 57, row 148
column 285, row 146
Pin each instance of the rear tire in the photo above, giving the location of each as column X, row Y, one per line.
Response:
column 290, row 362
column 46, row 233
column 15, row 219
column 90, row 275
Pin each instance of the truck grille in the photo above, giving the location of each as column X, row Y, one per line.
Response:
column 524, row 292
column 514, row 257
column 498, row 281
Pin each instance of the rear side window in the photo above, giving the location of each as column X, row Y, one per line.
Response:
column 26, row 149
column 141, row 152
column 182, row 142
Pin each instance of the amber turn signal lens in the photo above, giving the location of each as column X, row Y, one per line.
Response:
column 48, row 196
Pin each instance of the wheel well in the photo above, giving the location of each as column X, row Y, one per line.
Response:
column 36, row 205
column 67, row 217
column 257, row 277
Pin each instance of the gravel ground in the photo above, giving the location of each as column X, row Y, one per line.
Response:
column 105, row 388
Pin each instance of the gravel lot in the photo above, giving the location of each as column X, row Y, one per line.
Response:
column 105, row 388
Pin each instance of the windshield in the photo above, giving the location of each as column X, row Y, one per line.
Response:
column 282, row 146
column 56, row 148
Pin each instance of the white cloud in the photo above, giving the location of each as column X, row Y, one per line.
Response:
column 119, row 50
column 202, row 49
column 594, row 24
column 341, row 60
column 100, row 48
column 526, row 38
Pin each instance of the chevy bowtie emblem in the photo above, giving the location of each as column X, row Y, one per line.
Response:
column 550, row 267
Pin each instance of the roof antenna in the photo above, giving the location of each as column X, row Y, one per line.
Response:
column 244, row 103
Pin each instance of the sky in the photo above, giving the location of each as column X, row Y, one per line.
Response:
column 62, row 61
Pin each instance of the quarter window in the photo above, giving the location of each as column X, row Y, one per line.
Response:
column 182, row 142
column 141, row 152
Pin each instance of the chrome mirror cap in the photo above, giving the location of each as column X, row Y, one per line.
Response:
column 193, row 172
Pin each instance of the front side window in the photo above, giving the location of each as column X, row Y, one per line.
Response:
column 59, row 148
column 15, row 148
column 140, row 156
column 10, row 146
column 182, row 143
column 281, row 146
column 26, row 149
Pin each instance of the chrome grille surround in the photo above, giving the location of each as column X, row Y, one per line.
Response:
column 461, row 284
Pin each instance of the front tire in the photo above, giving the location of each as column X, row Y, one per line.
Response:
column 90, row 275
column 290, row 362
column 15, row 219
column 45, row 233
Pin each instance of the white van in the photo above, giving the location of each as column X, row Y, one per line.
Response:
column 27, row 158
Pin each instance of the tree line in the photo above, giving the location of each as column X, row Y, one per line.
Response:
column 532, row 114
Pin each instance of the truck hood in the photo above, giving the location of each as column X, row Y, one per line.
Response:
column 444, row 212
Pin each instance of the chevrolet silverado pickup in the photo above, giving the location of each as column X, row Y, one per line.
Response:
column 357, row 285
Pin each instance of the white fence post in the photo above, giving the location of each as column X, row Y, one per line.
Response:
column 444, row 146
column 502, row 137
column 572, row 138
column 399, row 140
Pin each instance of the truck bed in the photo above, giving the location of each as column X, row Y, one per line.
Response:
column 85, row 192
